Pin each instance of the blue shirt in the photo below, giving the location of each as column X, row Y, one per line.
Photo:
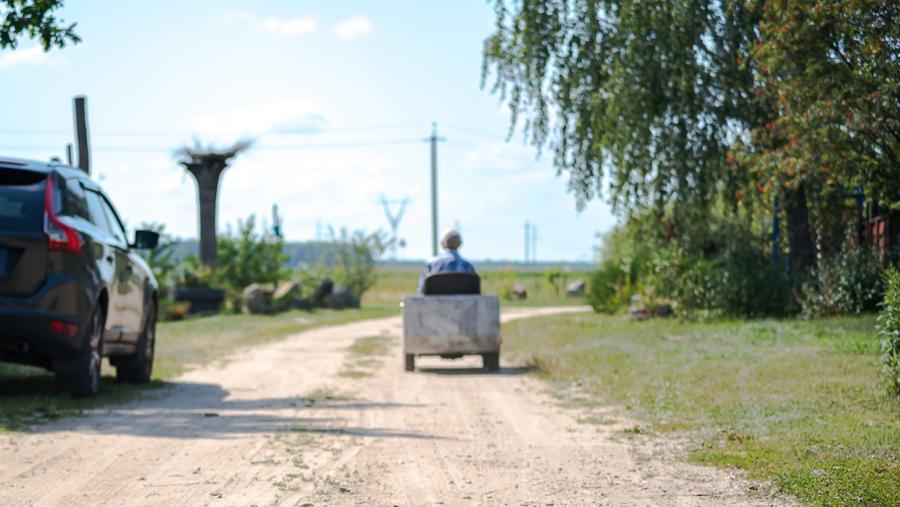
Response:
column 448, row 262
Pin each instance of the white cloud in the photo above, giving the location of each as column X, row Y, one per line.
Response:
column 291, row 27
column 33, row 55
column 353, row 28
column 257, row 119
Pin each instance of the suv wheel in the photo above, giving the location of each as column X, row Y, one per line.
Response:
column 85, row 380
column 138, row 368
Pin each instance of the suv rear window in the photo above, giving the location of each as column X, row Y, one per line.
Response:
column 21, row 200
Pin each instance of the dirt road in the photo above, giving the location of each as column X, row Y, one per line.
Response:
column 305, row 421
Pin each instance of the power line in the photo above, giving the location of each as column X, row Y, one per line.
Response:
column 258, row 147
column 152, row 133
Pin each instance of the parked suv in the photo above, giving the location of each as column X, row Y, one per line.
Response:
column 72, row 288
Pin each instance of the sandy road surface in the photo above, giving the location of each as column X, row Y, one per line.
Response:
column 281, row 425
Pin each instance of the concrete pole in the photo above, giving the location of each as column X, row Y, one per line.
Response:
column 434, row 139
column 81, row 134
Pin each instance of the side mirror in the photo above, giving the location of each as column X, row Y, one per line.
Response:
column 145, row 240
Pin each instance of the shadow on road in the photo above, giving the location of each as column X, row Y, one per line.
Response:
column 504, row 371
column 188, row 410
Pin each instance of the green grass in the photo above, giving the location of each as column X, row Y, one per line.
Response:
column 800, row 403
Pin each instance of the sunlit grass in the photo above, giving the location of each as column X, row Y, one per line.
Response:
column 797, row 402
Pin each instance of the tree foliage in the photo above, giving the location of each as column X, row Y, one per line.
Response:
column 644, row 91
column 679, row 106
column 35, row 19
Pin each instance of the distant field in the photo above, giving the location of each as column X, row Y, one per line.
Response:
column 797, row 402
column 394, row 283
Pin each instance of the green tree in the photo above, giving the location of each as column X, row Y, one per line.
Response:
column 827, row 72
column 678, row 104
column 643, row 91
column 35, row 19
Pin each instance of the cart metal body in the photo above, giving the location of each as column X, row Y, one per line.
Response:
column 452, row 326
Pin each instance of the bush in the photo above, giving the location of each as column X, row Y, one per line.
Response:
column 748, row 283
column 609, row 288
column 849, row 282
column 248, row 257
column 350, row 260
column 889, row 328
column 736, row 280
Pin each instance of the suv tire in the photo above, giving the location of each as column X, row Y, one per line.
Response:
column 138, row 368
column 85, row 380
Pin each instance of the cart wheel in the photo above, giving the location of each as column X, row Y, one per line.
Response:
column 410, row 362
column 491, row 361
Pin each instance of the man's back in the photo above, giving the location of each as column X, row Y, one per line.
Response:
column 448, row 262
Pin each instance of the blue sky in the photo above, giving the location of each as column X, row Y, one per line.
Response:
column 338, row 96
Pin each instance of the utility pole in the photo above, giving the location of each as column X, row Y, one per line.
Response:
column 533, row 243
column 434, row 139
column 527, row 241
column 81, row 133
column 69, row 154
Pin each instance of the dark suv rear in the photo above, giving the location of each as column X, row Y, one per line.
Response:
column 72, row 288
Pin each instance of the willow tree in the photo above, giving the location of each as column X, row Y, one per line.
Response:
column 206, row 165
column 642, row 90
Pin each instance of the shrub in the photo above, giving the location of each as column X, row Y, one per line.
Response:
column 748, row 283
column 353, row 256
column 247, row 257
column 849, row 282
column 609, row 288
column 889, row 328
column 687, row 280
column 737, row 279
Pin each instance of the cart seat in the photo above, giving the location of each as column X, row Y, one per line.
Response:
column 449, row 284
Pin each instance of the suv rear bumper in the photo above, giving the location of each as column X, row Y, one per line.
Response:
column 26, row 337
column 25, row 333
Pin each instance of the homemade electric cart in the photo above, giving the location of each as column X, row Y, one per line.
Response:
column 452, row 319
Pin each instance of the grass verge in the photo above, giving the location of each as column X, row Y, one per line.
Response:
column 29, row 396
column 800, row 403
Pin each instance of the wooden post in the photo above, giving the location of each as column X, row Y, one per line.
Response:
column 81, row 134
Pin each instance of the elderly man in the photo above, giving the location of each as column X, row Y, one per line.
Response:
column 448, row 262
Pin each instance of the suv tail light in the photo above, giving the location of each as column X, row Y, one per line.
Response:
column 60, row 237
column 63, row 328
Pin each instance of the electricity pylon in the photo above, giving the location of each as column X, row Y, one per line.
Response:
column 394, row 220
